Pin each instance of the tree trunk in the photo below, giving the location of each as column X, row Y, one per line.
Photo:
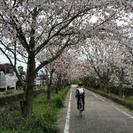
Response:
column 120, row 90
column 59, row 82
column 26, row 105
column 56, row 89
column 49, row 85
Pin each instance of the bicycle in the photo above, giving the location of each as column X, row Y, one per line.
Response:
column 80, row 106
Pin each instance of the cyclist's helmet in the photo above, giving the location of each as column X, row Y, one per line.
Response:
column 80, row 84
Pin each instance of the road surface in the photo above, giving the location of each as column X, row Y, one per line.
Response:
column 100, row 116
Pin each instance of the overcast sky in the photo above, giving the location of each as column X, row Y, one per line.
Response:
column 93, row 19
column 3, row 59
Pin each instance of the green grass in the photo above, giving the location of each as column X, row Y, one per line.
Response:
column 11, row 92
column 43, row 119
column 10, row 120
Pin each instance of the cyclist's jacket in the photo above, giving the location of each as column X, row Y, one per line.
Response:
column 80, row 92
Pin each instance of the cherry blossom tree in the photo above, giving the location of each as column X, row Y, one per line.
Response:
column 109, row 51
column 30, row 28
column 36, row 25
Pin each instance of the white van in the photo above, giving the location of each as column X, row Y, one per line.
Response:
column 7, row 79
column 2, row 80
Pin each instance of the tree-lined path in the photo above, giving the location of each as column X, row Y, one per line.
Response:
column 101, row 116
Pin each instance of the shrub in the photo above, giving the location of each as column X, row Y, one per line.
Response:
column 4, row 130
column 38, row 124
column 64, row 92
column 45, row 114
column 10, row 119
column 58, row 101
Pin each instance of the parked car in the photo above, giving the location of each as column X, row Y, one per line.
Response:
column 37, row 81
column 8, row 78
column 2, row 80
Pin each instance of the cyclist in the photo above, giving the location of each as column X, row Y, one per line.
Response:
column 80, row 93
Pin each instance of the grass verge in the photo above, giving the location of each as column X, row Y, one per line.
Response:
column 128, row 102
column 43, row 119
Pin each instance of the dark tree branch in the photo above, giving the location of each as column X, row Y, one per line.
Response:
column 59, row 52
column 66, row 24
column 13, row 52
column 14, row 68
column 20, row 33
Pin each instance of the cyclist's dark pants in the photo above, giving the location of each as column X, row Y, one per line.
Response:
column 83, row 100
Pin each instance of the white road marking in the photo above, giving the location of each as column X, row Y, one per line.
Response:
column 123, row 112
column 97, row 96
column 66, row 129
column 93, row 94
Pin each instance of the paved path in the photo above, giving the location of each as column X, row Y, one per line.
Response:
column 101, row 116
